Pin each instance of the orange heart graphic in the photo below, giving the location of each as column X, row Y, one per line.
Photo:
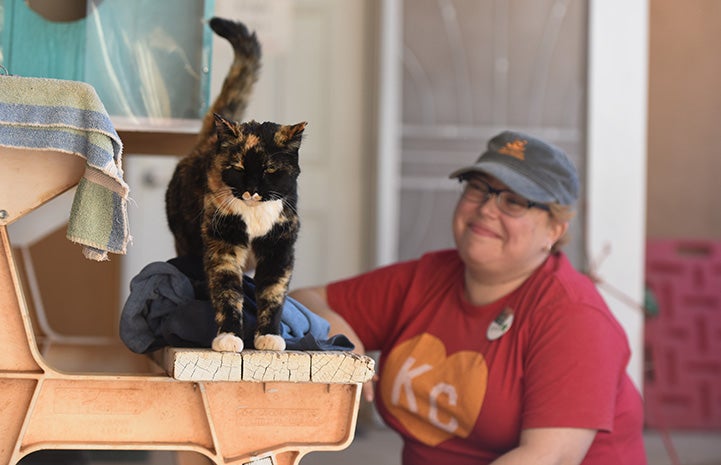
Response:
column 435, row 397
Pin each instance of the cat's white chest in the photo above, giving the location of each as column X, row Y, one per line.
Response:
column 261, row 217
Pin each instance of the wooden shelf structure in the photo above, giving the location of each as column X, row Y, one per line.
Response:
column 254, row 407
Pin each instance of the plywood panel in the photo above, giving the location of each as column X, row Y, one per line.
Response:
column 684, row 111
column 81, row 297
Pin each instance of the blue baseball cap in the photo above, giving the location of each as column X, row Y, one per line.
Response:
column 535, row 169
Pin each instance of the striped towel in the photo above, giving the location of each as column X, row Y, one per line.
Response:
column 67, row 116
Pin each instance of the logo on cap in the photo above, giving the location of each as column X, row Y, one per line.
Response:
column 516, row 148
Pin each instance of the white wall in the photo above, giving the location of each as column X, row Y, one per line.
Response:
column 616, row 159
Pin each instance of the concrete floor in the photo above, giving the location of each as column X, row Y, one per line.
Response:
column 378, row 445
column 375, row 444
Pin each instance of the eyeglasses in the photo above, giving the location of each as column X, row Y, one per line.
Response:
column 510, row 203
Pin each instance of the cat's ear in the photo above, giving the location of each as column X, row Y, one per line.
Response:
column 225, row 126
column 290, row 136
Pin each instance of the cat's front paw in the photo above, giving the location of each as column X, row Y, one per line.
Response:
column 227, row 342
column 269, row 342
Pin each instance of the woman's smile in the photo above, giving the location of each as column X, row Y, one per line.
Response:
column 480, row 229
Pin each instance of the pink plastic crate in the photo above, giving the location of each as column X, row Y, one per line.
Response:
column 682, row 387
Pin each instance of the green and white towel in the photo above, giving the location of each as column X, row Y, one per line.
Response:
column 68, row 116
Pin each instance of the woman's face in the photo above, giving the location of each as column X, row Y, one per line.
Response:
column 491, row 241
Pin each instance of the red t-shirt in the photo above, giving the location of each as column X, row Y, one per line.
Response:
column 460, row 394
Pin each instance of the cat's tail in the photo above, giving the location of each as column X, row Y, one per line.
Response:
column 244, row 71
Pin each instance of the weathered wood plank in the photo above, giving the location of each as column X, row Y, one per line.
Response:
column 265, row 366
column 328, row 367
column 197, row 365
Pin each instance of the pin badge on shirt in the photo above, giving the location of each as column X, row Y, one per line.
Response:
column 500, row 325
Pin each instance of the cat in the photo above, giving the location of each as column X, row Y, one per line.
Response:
column 233, row 201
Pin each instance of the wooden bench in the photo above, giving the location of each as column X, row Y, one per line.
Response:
column 253, row 407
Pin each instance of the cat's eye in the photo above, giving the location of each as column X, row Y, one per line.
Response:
column 271, row 170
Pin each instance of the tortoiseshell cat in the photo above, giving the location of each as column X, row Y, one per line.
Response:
column 234, row 196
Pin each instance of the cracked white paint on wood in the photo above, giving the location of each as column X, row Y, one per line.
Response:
column 327, row 367
column 276, row 366
column 264, row 366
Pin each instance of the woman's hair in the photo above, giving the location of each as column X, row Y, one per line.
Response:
column 561, row 214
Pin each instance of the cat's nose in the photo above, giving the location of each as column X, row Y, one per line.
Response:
column 248, row 196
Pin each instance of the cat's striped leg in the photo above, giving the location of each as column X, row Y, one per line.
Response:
column 271, row 281
column 270, row 310
column 225, row 285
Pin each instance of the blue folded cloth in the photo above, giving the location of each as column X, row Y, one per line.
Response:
column 166, row 307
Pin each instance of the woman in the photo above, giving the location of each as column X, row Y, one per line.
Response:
column 497, row 352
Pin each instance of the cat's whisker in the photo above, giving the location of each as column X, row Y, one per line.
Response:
column 278, row 196
column 226, row 196
column 225, row 204
column 215, row 218
column 290, row 206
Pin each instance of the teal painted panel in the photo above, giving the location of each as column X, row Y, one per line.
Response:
column 35, row 47
column 144, row 57
column 4, row 31
column 148, row 59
